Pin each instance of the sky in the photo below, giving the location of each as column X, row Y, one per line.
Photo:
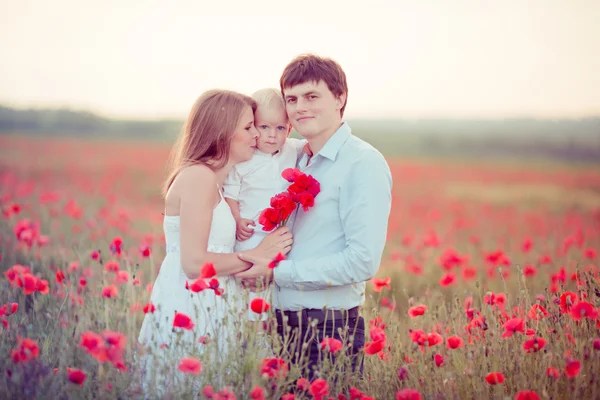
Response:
column 403, row 59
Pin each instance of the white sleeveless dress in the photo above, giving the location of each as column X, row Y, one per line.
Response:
column 216, row 317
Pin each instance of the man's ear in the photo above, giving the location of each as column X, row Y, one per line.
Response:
column 341, row 100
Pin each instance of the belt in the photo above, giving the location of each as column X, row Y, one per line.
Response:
column 304, row 316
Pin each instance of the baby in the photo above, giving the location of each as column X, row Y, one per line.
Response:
column 250, row 185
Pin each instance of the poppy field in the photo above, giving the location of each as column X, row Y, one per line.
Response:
column 489, row 286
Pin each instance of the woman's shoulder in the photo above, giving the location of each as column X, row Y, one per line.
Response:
column 194, row 176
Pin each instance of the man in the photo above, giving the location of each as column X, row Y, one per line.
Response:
column 338, row 243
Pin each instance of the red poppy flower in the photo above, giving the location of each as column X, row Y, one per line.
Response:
column 408, row 394
column 190, row 366
column 208, row 271
column 27, row 349
column 275, row 262
column 42, row 286
column 122, row 277
column 304, row 183
column 258, row 393
column 77, row 376
column 332, row 344
column 306, row 200
column 110, row 291
column 583, row 309
column 198, row 285
column 111, row 266
column 572, row 368
column 374, row 347
column 512, row 326
column 259, row 305
column 284, row 204
column 208, row 392
column 269, row 218
column 537, row 312
column 527, row 395
column 115, row 246
column 182, row 321
column 274, row 367
column 379, row 284
column 529, row 270
column 494, row 378
column 319, row 389
column 149, row 308
column 439, row 360
column 417, row 310
column 454, row 342
column 290, row 174
column 145, row 250
column 534, row 345
column 553, row 372
column 30, row 283
column 590, row 253
column 302, row 384
column 447, row 279
column 60, row 276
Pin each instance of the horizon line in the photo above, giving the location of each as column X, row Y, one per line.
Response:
column 132, row 117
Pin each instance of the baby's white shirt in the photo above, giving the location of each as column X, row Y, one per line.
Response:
column 252, row 183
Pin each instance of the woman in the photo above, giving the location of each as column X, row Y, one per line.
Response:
column 199, row 229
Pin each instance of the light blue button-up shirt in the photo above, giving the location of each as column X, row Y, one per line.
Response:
column 339, row 242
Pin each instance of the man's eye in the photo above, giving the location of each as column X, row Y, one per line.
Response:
column 312, row 97
column 291, row 101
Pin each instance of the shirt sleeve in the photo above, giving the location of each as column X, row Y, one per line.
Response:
column 364, row 208
column 232, row 184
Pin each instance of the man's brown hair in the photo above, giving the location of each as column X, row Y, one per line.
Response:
column 313, row 68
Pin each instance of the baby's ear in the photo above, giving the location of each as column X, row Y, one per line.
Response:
column 289, row 129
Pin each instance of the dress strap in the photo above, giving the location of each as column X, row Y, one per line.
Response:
column 220, row 192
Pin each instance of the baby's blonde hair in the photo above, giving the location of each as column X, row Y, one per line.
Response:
column 269, row 97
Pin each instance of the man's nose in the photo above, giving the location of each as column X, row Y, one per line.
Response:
column 301, row 105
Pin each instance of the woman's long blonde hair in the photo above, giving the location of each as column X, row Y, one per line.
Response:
column 207, row 132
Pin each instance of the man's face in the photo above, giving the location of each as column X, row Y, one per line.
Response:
column 312, row 108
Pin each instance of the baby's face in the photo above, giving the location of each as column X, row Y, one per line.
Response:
column 273, row 128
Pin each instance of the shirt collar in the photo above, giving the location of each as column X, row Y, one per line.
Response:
column 334, row 144
column 268, row 155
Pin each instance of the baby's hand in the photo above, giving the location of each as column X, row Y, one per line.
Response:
column 243, row 230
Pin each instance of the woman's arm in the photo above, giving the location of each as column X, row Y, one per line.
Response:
column 197, row 188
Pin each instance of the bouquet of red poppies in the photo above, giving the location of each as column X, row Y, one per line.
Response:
column 301, row 193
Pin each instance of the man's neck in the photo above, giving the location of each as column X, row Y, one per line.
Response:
column 316, row 143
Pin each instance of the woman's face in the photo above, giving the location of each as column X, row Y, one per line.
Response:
column 243, row 141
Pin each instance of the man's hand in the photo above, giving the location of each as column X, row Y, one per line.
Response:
column 259, row 275
column 243, row 230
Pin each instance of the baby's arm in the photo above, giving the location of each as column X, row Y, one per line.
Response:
column 232, row 185
column 242, row 229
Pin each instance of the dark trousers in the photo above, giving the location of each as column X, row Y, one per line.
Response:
column 302, row 333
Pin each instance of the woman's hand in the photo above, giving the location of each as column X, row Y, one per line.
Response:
column 278, row 241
